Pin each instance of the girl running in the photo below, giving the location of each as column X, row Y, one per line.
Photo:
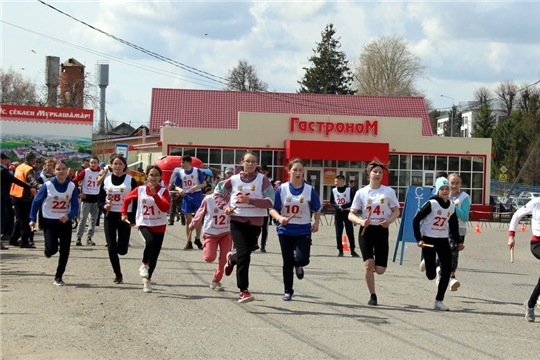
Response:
column 58, row 200
column 295, row 201
column 438, row 216
column 151, row 220
column 463, row 205
column 251, row 195
column 531, row 208
column 113, row 190
column 216, row 233
column 380, row 208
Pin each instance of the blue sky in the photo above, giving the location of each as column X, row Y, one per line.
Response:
column 465, row 45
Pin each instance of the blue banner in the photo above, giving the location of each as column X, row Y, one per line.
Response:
column 416, row 197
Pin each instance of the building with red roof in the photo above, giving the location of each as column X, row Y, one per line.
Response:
column 333, row 134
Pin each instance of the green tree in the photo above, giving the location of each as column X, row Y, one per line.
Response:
column 433, row 115
column 387, row 66
column 510, row 145
column 453, row 126
column 330, row 73
column 484, row 122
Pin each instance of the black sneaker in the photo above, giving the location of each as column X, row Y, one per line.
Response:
column 354, row 254
column 47, row 255
column 27, row 246
column 263, row 249
column 170, row 223
column 255, row 248
column 188, row 246
column 90, row 242
column 198, row 243
column 373, row 300
column 79, row 242
column 3, row 247
column 118, row 280
column 31, row 242
column 340, row 254
column 14, row 243
column 59, row 282
column 299, row 272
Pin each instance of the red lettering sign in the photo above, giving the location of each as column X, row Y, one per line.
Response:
column 327, row 127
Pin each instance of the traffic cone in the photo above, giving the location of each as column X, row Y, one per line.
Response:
column 345, row 243
column 477, row 230
column 522, row 227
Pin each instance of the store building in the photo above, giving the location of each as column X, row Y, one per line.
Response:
column 334, row 134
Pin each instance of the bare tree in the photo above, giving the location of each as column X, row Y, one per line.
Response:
column 507, row 93
column 16, row 90
column 482, row 96
column 386, row 66
column 244, row 78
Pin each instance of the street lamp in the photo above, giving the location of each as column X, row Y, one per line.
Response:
column 452, row 119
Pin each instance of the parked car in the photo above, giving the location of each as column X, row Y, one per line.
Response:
column 519, row 202
column 529, row 194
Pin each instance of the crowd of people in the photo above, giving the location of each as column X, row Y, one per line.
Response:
column 231, row 217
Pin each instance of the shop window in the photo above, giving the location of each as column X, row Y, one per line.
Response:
column 429, row 162
column 189, row 151
column 279, row 158
column 402, row 194
column 228, row 157
column 202, row 154
column 478, row 164
column 343, row 164
column 404, row 162
column 404, row 178
column 477, row 196
column 477, row 180
column 465, row 164
column 442, row 163
column 176, row 151
column 453, row 164
column 465, row 180
column 393, row 162
column 417, row 162
column 316, row 163
column 357, row 164
column 393, row 179
column 330, row 163
column 215, row 156
column 239, row 154
column 417, row 178
column 267, row 158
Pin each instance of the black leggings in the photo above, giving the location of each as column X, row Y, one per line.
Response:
column 117, row 234
column 535, row 249
column 341, row 220
column 442, row 250
column 153, row 242
column 57, row 235
column 295, row 252
column 244, row 237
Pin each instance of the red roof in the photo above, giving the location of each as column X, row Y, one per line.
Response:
column 215, row 109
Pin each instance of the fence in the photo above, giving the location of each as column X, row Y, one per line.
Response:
column 500, row 188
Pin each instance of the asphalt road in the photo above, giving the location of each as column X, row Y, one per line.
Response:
column 329, row 318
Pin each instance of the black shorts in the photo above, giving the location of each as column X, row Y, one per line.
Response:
column 374, row 244
column 535, row 249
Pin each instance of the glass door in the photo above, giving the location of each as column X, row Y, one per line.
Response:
column 314, row 178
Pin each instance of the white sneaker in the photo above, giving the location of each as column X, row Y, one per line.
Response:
column 423, row 265
column 438, row 278
column 454, row 284
column 216, row 285
column 147, row 285
column 143, row 271
column 440, row 306
column 529, row 312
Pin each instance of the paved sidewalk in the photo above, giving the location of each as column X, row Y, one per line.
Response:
column 329, row 318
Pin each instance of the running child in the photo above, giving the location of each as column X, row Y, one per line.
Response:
column 151, row 220
column 251, row 195
column 113, row 190
column 531, row 208
column 380, row 208
column 59, row 204
column 295, row 201
column 439, row 217
column 216, row 233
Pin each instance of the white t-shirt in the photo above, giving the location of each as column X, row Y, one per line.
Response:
column 377, row 202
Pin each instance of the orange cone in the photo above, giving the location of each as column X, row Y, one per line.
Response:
column 477, row 230
column 345, row 243
column 522, row 227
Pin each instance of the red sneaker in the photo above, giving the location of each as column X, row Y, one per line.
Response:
column 229, row 266
column 245, row 297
